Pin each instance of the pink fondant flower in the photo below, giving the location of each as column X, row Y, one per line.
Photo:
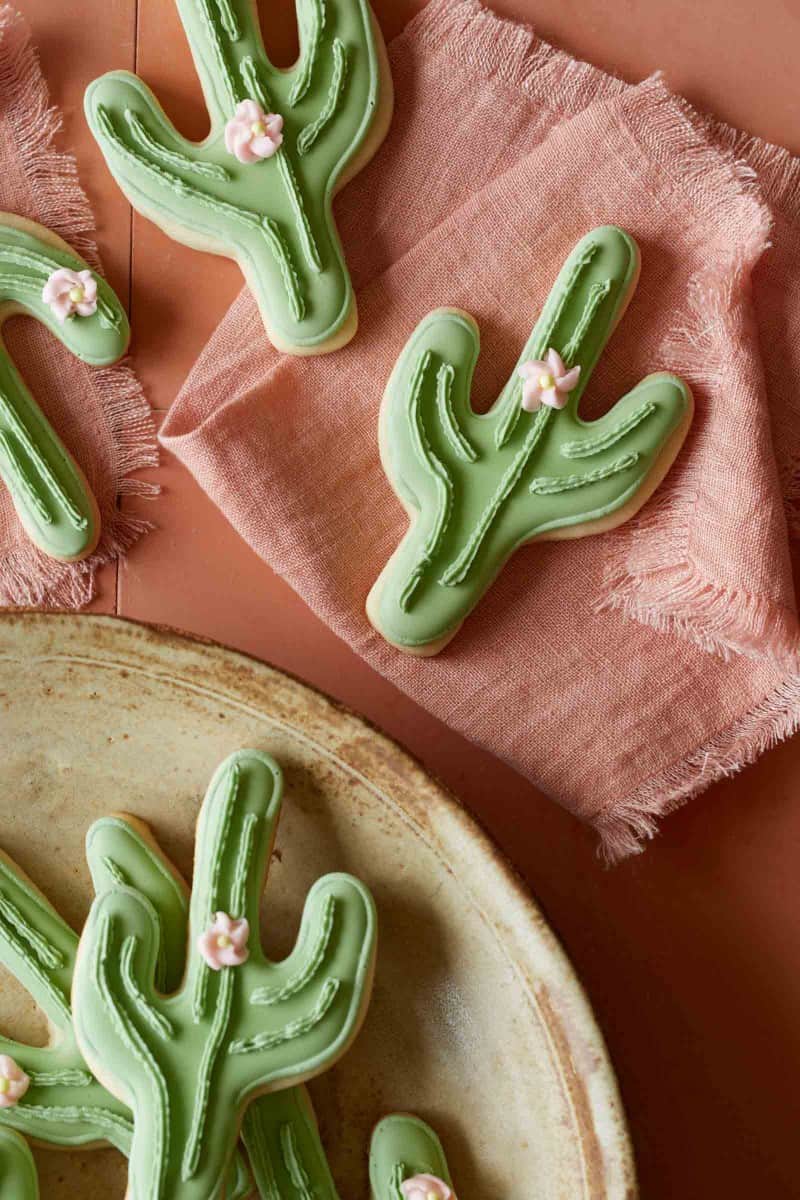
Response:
column 224, row 943
column 547, row 381
column 253, row 134
column 426, row 1187
column 14, row 1083
column 68, row 292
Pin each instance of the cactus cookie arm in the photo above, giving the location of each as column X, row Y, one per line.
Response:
column 51, row 497
column 476, row 487
column 268, row 207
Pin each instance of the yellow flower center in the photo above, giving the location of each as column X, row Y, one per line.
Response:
column 5, row 1086
column 76, row 294
column 546, row 381
column 431, row 1196
column 223, row 941
column 258, row 129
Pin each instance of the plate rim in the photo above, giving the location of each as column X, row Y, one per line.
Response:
column 524, row 919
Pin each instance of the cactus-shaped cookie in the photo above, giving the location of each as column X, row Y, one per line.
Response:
column 259, row 189
column 62, row 1104
column 187, row 1063
column 40, row 275
column 18, row 1179
column 407, row 1161
column 478, row 486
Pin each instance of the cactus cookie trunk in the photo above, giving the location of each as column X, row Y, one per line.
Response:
column 41, row 276
column 478, row 486
column 260, row 188
column 187, row 1063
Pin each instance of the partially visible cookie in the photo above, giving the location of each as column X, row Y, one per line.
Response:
column 41, row 276
column 259, row 189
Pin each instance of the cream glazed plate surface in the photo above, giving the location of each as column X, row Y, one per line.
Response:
column 477, row 1022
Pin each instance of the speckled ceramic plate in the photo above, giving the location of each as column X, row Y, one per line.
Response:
column 477, row 1021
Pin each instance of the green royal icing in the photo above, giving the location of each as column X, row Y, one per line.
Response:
column 288, row 1161
column 403, row 1146
column 478, row 486
column 274, row 216
column 50, row 495
column 18, row 1178
column 231, row 1032
column 64, row 1105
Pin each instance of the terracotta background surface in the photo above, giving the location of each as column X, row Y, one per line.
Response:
column 690, row 953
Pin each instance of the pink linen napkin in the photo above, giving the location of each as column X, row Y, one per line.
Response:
column 625, row 672
column 100, row 414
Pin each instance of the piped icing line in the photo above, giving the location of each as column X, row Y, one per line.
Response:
column 544, row 486
column 171, row 158
column 211, row 1052
column 302, row 978
column 137, row 1047
column 49, row 987
column 229, row 20
column 48, row 955
column 209, row 12
column 160, row 1024
column 458, row 571
column 65, row 1077
column 115, row 871
column 314, row 23
column 589, row 446
column 21, row 481
column 398, row 1174
column 444, row 400
column 213, row 1068
column 113, row 1126
column 311, row 132
column 294, row 1029
column 597, row 294
column 294, row 1164
column 230, row 783
column 44, row 473
column 440, row 477
column 315, row 120
column 523, row 484
column 244, row 862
